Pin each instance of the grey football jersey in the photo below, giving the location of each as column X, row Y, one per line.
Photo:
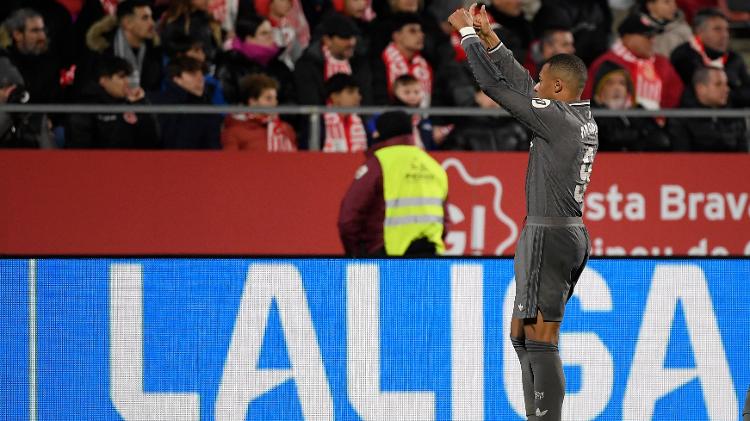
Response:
column 565, row 137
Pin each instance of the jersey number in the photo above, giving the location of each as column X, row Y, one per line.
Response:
column 585, row 173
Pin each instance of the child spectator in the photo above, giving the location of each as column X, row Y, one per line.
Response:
column 258, row 132
column 343, row 132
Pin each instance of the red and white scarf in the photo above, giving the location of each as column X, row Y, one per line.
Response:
column 648, row 83
column 334, row 65
column 276, row 138
column 344, row 133
column 396, row 65
column 719, row 62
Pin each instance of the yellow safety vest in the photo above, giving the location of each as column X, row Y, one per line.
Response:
column 415, row 187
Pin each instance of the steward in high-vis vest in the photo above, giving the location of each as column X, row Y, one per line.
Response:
column 396, row 205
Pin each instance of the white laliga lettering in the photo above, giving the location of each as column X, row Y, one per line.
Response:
column 467, row 342
column 126, row 355
column 649, row 380
column 363, row 355
column 242, row 381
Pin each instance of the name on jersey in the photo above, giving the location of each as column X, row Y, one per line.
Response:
column 589, row 129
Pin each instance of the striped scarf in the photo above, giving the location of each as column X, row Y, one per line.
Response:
column 396, row 65
column 345, row 134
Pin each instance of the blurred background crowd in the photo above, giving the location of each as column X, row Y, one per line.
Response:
column 642, row 54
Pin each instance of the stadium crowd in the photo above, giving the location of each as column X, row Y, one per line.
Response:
column 642, row 54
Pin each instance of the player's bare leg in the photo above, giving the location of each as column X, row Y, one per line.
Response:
column 546, row 366
column 518, row 338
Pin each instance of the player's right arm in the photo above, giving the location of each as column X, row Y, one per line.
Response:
column 516, row 75
column 541, row 116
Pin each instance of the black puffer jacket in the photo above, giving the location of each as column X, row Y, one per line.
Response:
column 233, row 66
column 110, row 130
column 187, row 131
column 708, row 134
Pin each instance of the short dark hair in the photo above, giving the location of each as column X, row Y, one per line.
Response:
column 340, row 82
column 181, row 43
column 127, row 7
column 253, row 85
column 701, row 74
column 247, row 27
column 405, row 79
column 108, row 65
column 704, row 15
column 571, row 67
column 181, row 64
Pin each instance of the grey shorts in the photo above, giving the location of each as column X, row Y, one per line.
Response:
column 550, row 257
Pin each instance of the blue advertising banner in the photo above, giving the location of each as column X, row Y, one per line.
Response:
column 292, row 339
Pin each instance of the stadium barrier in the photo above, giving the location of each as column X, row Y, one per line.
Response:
column 218, row 203
column 314, row 112
column 423, row 339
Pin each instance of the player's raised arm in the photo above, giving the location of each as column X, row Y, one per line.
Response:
column 516, row 75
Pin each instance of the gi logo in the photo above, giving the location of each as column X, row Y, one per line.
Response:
column 477, row 216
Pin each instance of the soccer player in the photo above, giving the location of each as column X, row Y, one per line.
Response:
column 554, row 244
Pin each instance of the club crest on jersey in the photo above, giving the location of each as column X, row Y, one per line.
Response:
column 540, row 103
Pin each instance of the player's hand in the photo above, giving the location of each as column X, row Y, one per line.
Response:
column 460, row 19
column 482, row 26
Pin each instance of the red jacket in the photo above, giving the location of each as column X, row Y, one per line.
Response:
column 672, row 86
column 362, row 210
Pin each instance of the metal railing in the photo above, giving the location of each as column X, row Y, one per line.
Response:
column 315, row 111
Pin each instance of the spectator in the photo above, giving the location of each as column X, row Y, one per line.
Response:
column 131, row 36
column 361, row 14
column 258, row 132
column 554, row 40
column 343, row 132
column 190, row 17
column 253, row 51
column 333, row 53
column 188, row 46
column 383, row 215
column 290, row 28
column 437, row 47
column 402, row 56
column 408, row 92
column 19, row 130
column 657, row 85
column 107, row 129
column 483, row 133
column 91, row 12
column 29, row 54
column 710, row 90
column 710, row 47
column 187, row 87
column 590, row 22
column 665, row 15
column 514, row 29
column 614, row 90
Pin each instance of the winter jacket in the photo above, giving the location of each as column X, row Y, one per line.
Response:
column 110, row 130
column 187, row 131
column 708, row 134
column 309, row 76
column 41, row 75
column 487, row 134
column 200, row 26
column 232, row 66
column 674, row 33
column 685, row 60
column 100, row 40
column 244, row 134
